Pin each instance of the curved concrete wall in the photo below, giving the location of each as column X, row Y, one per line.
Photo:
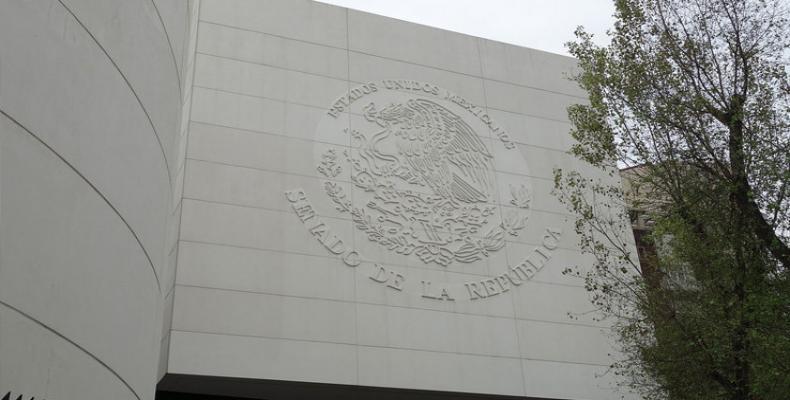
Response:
column 91, row 160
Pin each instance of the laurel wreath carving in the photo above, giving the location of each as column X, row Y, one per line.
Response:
column 328, row 165
column 399, row 242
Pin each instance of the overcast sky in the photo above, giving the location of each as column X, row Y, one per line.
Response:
column 539, row 24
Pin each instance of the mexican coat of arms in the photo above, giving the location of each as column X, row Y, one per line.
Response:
column 425, row 184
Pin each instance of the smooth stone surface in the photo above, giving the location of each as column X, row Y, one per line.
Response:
column 91, row 165
column 262, row 274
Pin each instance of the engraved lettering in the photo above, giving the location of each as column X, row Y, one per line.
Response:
column 474, row 291
column 426, row 288
column 504, row 283
column 532, row 269
column 513, row 277
column 551, row 239
column 381, row 274
column 445, row 295
column 491, row 287
column 304, row 211
column 519, row 271
column 542, row 253
column 336, row 246
column 397, row 281
column 392, row 279
column 351, row 258
column 319, row 230
column 530, row 272
column 295, row 195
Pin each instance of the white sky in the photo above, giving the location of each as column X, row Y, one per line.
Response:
column 539, row 24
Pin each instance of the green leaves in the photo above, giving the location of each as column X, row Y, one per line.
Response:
column 694, row 95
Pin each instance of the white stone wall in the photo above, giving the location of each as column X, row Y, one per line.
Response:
column 258, row 296
column 91, row 166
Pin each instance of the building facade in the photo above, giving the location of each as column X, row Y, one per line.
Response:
column 281, row 199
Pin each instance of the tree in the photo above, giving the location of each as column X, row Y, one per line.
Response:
column 696, row 94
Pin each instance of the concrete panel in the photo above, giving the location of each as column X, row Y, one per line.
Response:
column 175, row 19
column 252, row 357
column 238, row 111
column 366, row 68
column 228, row 75
column 552, row 271
column 164, row 343
column 164, row 353
column 69, row 261
column 535, row 131
column 131, row 42
column 569, row 381
column 533, row 236
column 245, row 187
column 44, row 365
column 64, row 89
column 169, row 274
column 439, row 371
column 317, row 23
column 543, row 162
column 272, row 50
column 564, row 342
column 255, row 228
column 87, row 215
column 529, row 101
column 254, row 149
column 448, row 332
column 555, row 303
column 528, row 67
column 268, row 82
column 417, row 44
column 262, row 315
column 262, row 271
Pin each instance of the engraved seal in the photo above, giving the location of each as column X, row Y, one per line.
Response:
column 424, row 179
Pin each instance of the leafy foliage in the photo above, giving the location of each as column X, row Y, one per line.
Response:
column 693, row 97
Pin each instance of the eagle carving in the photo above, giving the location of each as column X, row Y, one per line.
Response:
column 424, row 183
column 436, row 146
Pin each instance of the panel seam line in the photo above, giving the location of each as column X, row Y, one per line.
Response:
column 131, row 89
column 95, row 189
column 73, row 343
column 170, row 45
